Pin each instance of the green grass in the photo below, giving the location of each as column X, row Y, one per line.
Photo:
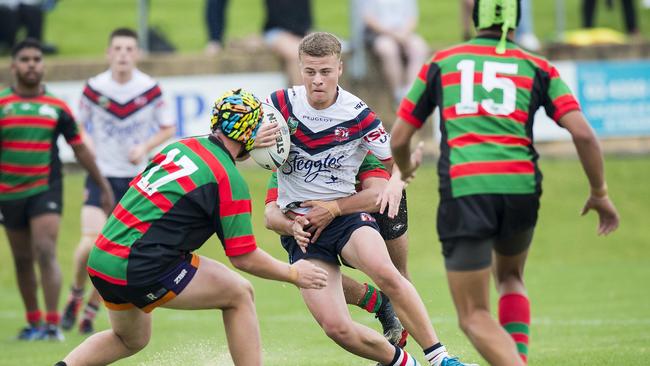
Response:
column 81, row 27
column 589, row 294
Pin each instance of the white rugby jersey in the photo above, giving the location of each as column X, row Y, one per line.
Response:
column 327, row 147
column 120, row 116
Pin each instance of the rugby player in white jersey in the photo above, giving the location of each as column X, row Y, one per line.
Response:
column 125, row 118
column 334, row 131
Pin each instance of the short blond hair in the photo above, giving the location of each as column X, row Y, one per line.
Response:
column 320, row 44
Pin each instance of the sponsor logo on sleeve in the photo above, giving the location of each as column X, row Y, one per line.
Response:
column 378, row 134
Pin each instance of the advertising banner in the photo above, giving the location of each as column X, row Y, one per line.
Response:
column 615, row 96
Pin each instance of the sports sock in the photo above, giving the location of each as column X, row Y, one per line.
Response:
column 371, row 299
column 76, row 293
column 34, row 318
column 90, row 311
column 514, row 316
column 435, row 354
column 401, row 358
column 52, row 317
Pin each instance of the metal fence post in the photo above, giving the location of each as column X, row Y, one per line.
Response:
column 560, row 21
column 357, row 45
column 143, row 24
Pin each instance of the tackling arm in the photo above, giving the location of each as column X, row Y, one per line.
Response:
column 277, row 221
column 259, row 263
column 366, row 199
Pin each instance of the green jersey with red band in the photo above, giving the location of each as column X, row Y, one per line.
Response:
column 487, row 103
column 370, row 167
column 188, row 192
column 29, row 128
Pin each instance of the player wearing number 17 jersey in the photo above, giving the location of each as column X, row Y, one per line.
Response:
column 487, row 92
column 144, row 256
column 125, row 117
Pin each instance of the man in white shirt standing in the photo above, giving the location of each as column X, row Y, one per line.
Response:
column 125, row 118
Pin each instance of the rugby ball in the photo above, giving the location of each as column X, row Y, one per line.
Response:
column 272, row 157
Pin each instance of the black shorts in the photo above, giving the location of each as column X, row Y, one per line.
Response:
column 470, row 227
column 393, row 228
column 93, row 192
column 17, row 213
column 329, row 245
column 148, row 297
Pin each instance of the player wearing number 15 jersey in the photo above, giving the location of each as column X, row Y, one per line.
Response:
column 144, row 256
column 487, row 92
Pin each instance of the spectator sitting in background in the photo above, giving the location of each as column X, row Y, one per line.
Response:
column 216, row 22
column 8, row 24
column 15, row 14
column 287, row 21
column 390, row 30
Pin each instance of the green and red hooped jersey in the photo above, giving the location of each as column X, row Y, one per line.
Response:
column 487, row 102
column 29, row 128
column 370, row 167
column 188, row 192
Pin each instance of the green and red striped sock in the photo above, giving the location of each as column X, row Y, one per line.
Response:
column 371, row 300
column 514, row 316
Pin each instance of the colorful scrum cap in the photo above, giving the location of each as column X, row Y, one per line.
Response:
column 237, row 114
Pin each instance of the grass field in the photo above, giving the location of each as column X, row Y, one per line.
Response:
column 80, row 27
column 591, row 304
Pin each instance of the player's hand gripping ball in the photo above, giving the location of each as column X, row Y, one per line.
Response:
column 272, row 157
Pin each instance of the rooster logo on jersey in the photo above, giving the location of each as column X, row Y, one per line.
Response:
column 341, row 134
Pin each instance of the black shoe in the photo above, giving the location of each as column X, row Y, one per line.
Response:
column 70, row 313
column 392, row 327
column 86, row 327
